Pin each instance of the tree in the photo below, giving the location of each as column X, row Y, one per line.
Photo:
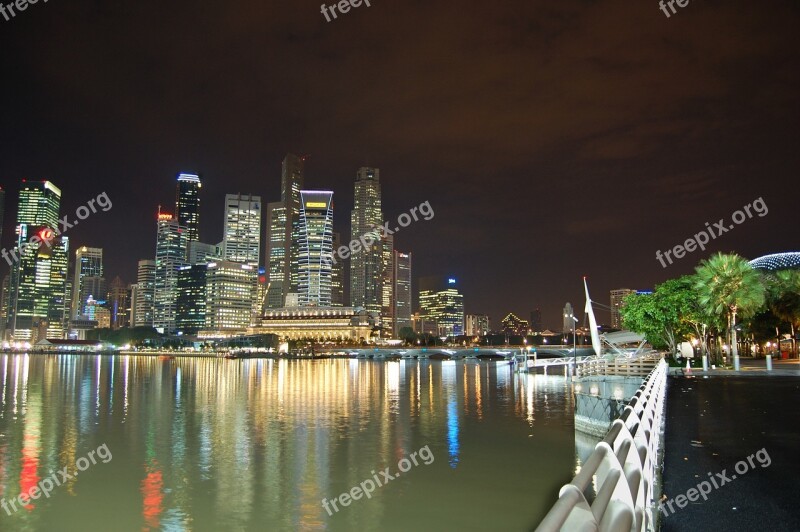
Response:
column 665, row 316
column 728, row 286
column 783, row 299
column 407, row 335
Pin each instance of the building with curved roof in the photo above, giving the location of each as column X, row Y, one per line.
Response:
column 777, row 261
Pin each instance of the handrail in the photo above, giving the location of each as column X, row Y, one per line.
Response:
column 625, row 464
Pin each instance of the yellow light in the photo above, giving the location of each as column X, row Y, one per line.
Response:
column 316, row 205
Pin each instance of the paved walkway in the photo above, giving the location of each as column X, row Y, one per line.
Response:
column 718, row 419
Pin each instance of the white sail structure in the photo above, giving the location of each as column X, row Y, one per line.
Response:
column 596, row 343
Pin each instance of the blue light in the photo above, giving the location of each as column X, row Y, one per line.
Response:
column 451, row 281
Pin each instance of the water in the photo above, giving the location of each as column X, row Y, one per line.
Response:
column 210, row 444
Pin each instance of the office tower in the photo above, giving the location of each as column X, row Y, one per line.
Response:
column 230, row 290
column 170, row 257
column 200, row 253
column 187, row 205
column 144, row 299
column 118, row 301
column 93, row 286
column 514, row 325
column 260, row 301
column 536, row 320
column 37, row 289
column 387, row 285
column 283, row 220
column 402, row 291
column 88, row 263
column 617, row 302
column 242, row 232
column 4, row 295
column 337, row 275
column 191, row 311
column 476, row 324
column 569, row 319
column 315, row 257
column 440, row 301
column 366, row 269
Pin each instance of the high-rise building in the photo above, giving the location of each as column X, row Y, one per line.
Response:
column 366, row 265
column 440, row 301
column 37, row 299
column 569, row 319
column 536, row 320
column 387, row 285
column 200, row 253
column 144, row 297
column 617, row 302
column 476, row 324
column 283, row 222
column 88, row 263
column 337, row 278
column 170, row 257
column 191, row 311
column 242, row 232
column 514, row 325
column 315, row 255
column 402, row 291
column 118, row 301
column 230, row 290
column 187, row 205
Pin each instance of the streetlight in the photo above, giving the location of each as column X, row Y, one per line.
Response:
column 574, row 342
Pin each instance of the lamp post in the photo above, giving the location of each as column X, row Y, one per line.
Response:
column 574, row 343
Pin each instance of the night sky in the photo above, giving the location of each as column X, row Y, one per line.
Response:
column 553, row 139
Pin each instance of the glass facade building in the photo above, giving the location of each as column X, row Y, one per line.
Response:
column 315, row 248
column 440, row 301
column 242, row 231
column 230, row 291
column 170, row 258
column 187, row 204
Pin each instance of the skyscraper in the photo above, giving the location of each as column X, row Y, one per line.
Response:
column 315, row 248
column 88, row 263
column 337, row 278
column 230, row 290
column 283, row 220
column 440, row 301
column 402, row 291
column 242, row 232
column 143, row 302
column 119, row 295
column 187, row 204
column 387, row 285
column 617, row 302
column 366, row 265
column 170, row 257
column 191, row 311
column 37, row 290
column 536, row 320
column 569, row 321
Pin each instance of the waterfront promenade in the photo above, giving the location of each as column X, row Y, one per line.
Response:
column 719, row 418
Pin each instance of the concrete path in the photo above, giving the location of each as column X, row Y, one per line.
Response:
column 716, row 421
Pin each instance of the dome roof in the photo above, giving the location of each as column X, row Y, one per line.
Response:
column 777, row 261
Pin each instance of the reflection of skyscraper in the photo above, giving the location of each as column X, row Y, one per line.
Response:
column 315, row 248
column 402, row 291
column 242, row 232
column 88, row 263
column 366, row 272
column 283, row 219
column 617, row 301
column 187, row 204
column 37, row 289
column 144, row 296
column 170, row 257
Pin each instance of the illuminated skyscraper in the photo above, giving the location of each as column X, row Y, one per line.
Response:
column 315, row 248
column 37, row 289
column 617, row 301
column 230, row 291
column 88, row 263
column 402, row 291
column 187, row 203
column 283, row 221
column 440, row 301
column 191, row 312
column 337, row 279
column 366, row 265
column 242, row 233
column 143, row 294
column 387, row 285
column 170, row 257
column 118, row 300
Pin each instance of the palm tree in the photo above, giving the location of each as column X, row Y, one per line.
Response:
column 728, row 286
column 783, row 296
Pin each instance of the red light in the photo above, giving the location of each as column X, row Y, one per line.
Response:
column 46, row 235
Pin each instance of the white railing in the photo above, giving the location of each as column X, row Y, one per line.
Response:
column 625, row 464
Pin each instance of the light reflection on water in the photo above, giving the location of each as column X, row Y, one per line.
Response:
column 208, row 444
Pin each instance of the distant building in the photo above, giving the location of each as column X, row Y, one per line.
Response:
column 476, row 325
column 617, row 301
column 366, row 265
column 536, row 320
column 143, row 294
column 230, row 291
column 514, row 325
column 242, row 229
column 316, row 323
column 191, row 303
column 387, row 286
column 337, row 276
column 424, row 324
column 201, row 253
column 569, row 322
column 315, row 248
column 187, row 205
column 440, row 301
column 171, row 248
column 402, row 291
column 118, row 302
